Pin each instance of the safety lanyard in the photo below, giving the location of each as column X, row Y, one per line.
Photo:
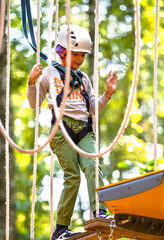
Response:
column 26, row 15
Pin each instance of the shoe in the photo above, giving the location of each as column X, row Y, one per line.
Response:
column 102, row 214
column 64, row 235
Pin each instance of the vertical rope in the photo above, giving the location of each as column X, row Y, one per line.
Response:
column 96, row 87
column 155, row 83
column 36, row 128
column 50, row 31
column 7, row 122
column 2, row 21
column 50, row 74
column 56, row 26
column 51, row 193
column 68, row 60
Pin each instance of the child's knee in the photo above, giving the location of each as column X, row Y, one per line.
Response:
column 76, row 181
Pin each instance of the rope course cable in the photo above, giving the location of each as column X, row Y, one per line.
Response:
column 7, row 124
column 96, row 88
column 49, row 64
column 155, row 82
column 51, row 193
column 36, row 127
column 56, row 26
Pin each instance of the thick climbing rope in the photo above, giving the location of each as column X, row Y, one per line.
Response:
column 7, row 124
column 49, row 64
column 2, row 22
column 51, row 193
column 155, row 83
column 96, row 88
column 56, row 27
column 36, row 127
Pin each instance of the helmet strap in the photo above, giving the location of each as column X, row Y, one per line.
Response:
column 62, row 55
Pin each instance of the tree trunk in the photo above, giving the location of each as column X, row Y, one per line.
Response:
column 2, row 155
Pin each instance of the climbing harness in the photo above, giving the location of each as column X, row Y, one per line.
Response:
column 76, row 77
column 74, row 84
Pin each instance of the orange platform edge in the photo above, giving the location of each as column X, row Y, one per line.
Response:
column 148, row 203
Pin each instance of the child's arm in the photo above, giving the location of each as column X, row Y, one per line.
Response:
column 111, row 83
column 31, row 88
column 35, row 73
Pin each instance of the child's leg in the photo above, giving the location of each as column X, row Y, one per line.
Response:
column 68, row 159
column 88, row 167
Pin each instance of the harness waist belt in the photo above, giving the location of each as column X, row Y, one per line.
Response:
column 79, row 136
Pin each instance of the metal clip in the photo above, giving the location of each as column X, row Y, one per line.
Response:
column 99, row 234
column 111, row 225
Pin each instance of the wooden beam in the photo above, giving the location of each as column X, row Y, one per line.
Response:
column 100, row 227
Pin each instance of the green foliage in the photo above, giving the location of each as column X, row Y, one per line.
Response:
column 133, row 154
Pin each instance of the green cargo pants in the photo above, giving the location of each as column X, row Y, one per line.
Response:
column 71, row 162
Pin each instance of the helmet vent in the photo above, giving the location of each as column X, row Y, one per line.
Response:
column 72, row 35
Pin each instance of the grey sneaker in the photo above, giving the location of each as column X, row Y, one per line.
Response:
column 64, row 235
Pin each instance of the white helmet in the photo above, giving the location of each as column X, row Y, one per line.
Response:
column 80, row 40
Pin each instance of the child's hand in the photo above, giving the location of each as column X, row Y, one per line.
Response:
column 111, row 83
column 35, row 73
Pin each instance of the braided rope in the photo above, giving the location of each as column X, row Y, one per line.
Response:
column 36, row 128
column 51, row 193
column 50, row 70
column 56, row 26
column 7, row 124
column 155, row 83
column 96, row 90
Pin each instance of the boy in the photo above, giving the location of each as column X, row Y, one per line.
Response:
column 75, row 120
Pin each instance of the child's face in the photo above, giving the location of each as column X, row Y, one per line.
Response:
column 77, row 59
